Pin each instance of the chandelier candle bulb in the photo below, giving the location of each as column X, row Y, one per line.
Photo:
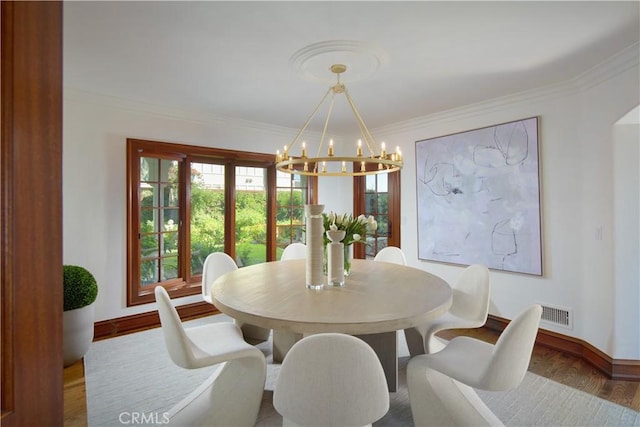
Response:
column 304, row 149
column 363, row 168
column 359, row 151
column 306, row 167
column 330, row 147
column 383, row 152
column 344, row 167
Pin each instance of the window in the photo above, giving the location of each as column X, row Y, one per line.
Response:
column 186, row 202
column 207, row 213
column 293, row 192
column 378, row 195
column 159, row 214
column 251, row 219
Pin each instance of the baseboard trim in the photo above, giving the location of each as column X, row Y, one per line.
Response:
column 615, row 369
column 139, row 322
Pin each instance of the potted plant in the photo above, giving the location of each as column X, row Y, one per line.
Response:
column 80, row 292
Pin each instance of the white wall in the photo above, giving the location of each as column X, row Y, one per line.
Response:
column 576, row 166
column 627, row 237
column 576, row 122
column 94, row 180
column 336, row 194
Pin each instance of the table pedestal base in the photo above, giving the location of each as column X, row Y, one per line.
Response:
column 384, row 344
column 386, row 347
column 282, row 342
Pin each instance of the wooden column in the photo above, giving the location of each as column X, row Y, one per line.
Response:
column 31, row 213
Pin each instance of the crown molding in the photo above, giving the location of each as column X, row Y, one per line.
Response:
column 615, row 65
column 74, row 94
column 606, row 70
column 199, row 117
column 610, row 68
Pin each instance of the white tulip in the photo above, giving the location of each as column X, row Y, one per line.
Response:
column 373, row 224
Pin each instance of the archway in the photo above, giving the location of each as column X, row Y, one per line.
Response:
column 626, row 179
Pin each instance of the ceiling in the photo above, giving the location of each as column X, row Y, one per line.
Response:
column 405, row 59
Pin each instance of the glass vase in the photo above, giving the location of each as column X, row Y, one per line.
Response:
column 334, row 257
column 325, row 262
column 348, row 257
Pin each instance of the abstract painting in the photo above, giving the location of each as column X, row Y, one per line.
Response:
column 478, row 196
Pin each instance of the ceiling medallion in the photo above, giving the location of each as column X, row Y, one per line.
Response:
column 362, row 59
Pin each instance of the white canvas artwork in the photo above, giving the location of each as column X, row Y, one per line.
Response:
column 478, row 198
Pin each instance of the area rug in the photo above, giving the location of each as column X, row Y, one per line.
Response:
column 132, row 378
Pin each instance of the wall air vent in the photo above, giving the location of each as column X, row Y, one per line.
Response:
column 557, row 316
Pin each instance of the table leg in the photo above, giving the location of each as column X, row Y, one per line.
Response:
column 415, row 342
column 386, row 347
column 282, row 342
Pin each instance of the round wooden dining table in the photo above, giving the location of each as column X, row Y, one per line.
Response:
column 376, row 300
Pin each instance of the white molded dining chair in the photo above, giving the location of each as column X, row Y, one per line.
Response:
column 391, row 254
column 441, row 385
column 215, row 265
column 469, row 309
column 294, row 250
column 233, row 393
column 331, row 380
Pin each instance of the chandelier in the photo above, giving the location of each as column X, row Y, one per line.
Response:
column 367, row 157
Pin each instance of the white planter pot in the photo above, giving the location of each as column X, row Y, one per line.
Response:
column 77, row 333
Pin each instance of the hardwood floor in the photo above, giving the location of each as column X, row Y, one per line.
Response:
column 552, row 364
column 75, row 392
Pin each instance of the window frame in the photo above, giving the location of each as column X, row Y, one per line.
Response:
column 186, row 284
column 393, row 206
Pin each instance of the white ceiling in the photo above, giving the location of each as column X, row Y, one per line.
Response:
column 234, row 59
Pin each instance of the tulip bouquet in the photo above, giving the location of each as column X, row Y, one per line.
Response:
column 355, row 229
